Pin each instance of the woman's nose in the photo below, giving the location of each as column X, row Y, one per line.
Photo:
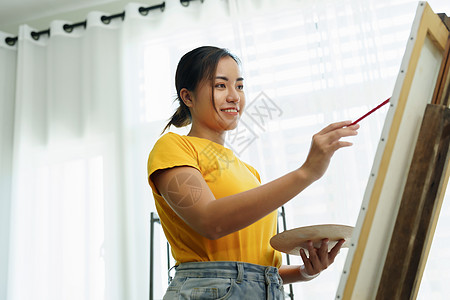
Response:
column 233, row 96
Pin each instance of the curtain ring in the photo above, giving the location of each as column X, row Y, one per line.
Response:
column 35, row 35
column 11, row 41
column 143, row 11
column 185, row 3
column 105, row 20
column 67, row 28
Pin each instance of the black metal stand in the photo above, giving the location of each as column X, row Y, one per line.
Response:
column 155, row 219
column 288, row 260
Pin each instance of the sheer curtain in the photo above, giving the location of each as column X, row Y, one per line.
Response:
column 67, row 191
column 8, row 57
column 81, row 111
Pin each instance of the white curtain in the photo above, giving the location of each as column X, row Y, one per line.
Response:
column 8, row 58
column 66, row 215
column 80, row 112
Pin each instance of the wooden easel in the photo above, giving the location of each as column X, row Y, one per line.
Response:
column 423, row 195
column 411, row 168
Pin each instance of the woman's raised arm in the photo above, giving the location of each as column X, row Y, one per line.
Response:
column 187, row 193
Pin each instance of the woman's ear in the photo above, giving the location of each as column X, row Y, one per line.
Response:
column 186, row 96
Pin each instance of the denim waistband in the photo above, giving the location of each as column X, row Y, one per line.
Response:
column 230, row 269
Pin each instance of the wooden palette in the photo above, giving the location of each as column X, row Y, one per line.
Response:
column 291, row 241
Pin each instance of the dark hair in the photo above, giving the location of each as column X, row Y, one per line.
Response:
column 195, row 66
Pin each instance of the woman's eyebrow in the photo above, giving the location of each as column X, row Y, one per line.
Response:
column 226, row 78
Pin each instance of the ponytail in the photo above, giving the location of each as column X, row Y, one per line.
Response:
column 181, row 117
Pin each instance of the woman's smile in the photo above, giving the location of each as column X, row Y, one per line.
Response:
column 231, row 111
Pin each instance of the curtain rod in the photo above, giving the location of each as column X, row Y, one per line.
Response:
column 11, row 41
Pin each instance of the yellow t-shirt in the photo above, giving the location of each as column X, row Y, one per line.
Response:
column 225, row 175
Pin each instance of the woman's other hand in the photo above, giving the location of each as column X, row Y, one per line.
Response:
column 319, row 258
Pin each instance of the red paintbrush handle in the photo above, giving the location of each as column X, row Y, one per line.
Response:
column 370, row 112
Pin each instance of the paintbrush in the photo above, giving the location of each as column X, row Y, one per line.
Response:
column 370, row 112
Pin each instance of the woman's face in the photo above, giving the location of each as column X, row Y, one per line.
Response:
column 229, row 98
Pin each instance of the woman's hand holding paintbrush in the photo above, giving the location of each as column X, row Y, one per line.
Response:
column 327, row 141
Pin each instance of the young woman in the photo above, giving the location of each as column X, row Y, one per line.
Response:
column 215, row 213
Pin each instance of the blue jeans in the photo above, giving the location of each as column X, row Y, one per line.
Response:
column 225, row 280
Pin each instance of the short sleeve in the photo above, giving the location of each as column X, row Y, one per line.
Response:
column 170, row 151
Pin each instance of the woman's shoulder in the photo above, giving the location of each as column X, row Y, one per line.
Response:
column 169, row 150
column 169, row 139
column 193, row 143
column 172, row 142
column 168, row 136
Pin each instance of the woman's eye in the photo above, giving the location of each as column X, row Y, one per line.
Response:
column 220, row 85
column 240, row 87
